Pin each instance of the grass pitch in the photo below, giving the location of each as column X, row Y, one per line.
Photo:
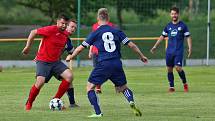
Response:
column 149, row 85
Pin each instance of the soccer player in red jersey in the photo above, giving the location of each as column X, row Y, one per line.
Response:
column 93, row 51
column 48, row 64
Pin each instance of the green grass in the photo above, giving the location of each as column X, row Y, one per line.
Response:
column 149, row 85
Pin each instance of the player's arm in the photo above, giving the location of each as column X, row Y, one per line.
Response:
column 161, row 38
column 29, row 42
column 137, row 51
column 90, row 52
column 81, row 47
column 189, row 43
column 75, row 53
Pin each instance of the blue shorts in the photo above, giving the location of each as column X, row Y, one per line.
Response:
column 49, row 69
column 174, row 60
column 108, row 69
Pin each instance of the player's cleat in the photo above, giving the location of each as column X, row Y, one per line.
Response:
column 95, row 115
column 28, row 106
column 135, row 109
column 171, row 89
column 185, row 87
column 74, row 105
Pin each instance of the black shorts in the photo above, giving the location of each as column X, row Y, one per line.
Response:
column 49, row 69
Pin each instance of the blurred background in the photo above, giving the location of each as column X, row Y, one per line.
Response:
column 137, row 18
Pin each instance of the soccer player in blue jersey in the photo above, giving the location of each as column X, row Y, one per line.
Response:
column 176, row 31
column 69, row 48
column 109, row 66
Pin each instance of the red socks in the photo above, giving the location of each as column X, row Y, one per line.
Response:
column 33, row 94
column 64, row 86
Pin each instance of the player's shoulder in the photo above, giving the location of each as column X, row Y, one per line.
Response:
column 49, row 28
column 182, row 23
column 169, row 24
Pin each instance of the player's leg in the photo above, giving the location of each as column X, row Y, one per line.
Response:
column 119, row 79
column 97, row 77
column 94, row 59
column 61, row 70
column 93, row 100
column 170, row 76
column 71, row 96
column 42, row 75
column 129, row 96
column 181, row 73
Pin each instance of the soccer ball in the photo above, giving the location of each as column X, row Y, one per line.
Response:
column 56, row 104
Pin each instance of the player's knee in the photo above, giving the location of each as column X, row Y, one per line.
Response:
column 121, row 88
column 90, row 86
column 169, row 69
column 178, row 68
column 40, row 82
column 69, row 77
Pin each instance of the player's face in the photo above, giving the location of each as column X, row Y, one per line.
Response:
column 62, row 24
column 72, row 27
column 174, row 15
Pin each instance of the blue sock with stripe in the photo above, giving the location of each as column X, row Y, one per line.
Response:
column 128, row 95
column 94, row 101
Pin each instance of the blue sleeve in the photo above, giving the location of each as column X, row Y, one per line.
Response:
column 69, row 47
column 123, row 38
column 89, row 40
column 186, row 31
column 165, row 32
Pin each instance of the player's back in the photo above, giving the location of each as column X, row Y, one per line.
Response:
column 107, row 39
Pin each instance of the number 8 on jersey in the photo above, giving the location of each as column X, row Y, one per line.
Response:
column 109, row 44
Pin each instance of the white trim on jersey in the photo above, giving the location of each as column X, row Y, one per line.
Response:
column 186, row 33
column 125, row 40
column 164, row 33
column 85, row 44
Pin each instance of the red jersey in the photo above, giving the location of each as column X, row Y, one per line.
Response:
column 52, row 43
column 94, row 28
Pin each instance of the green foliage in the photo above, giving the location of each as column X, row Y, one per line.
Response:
column 51, row 8
column 162, row 17
column 21, row 15
column 130, row 17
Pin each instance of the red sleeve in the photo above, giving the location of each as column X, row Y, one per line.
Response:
column 95, row 27
column 111, row 24
column 45, row 31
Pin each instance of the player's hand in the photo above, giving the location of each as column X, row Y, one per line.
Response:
column 90, row 55
column 26, row 50
column 144, row 59
column 189, row 52
column 153, row 50
column 68, row 58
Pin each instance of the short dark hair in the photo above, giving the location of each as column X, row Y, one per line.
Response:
column 63, row 16
column 174, row 9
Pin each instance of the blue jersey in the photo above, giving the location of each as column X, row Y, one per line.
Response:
column 107, row 40
column 69, row 47
column 176, row 34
